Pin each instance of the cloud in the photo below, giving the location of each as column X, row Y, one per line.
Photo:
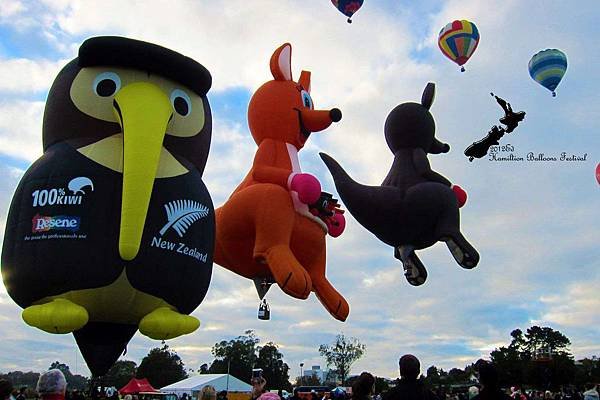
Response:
column 532, row 223
column 9, row 8
column 25, row 76
column 20, row 129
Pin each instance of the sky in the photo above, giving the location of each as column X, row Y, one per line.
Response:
column 535, row 224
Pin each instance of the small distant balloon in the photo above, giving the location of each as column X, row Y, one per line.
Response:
column 548, row 68
column 458, row 41
column 598, row 173
column 348, row 7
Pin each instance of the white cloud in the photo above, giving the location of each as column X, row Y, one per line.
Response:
column 25, row 76
column 530, row 222
column 21, row 128
column 9, row 8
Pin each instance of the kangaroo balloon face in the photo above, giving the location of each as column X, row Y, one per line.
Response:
column 116, row 200
column 411, row 125
column 290, row 102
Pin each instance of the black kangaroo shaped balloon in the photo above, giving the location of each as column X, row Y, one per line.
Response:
column 414, row 207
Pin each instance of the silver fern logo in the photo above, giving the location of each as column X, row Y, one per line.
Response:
column 181, row 214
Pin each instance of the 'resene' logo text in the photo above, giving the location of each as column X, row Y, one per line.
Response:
column 40, row 223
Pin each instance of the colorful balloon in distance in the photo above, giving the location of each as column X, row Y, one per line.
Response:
column 548, row 68
column 458, row 41
column 348, row 7
column 598, row 173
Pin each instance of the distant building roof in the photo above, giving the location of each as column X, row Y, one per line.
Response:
column 197, row 382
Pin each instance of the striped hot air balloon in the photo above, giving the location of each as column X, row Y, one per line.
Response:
column 458, row 41
column 548, row 67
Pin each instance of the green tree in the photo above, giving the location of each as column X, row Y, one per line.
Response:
column 203, row 369
column 162, row 367
column 120, row 373
column 521, row 361
column 342, row 354
column 78, row 382
column 381, row 385
column 275, row 370
column 588, row 370
column 21, row 379
column 237, row 355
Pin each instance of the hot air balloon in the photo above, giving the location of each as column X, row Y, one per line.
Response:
column 112, row 229
column 458, row 41
column 348, row 7
column 598, row 173
column 548, row 67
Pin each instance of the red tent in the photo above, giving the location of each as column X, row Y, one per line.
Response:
column 136, row 386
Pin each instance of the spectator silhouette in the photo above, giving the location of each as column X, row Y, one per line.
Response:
column 6, row 389
column 488, row 377
column 52, row 385
column 362, row 389
column 409, row 386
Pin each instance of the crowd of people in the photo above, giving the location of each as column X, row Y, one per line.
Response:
column 53, row 386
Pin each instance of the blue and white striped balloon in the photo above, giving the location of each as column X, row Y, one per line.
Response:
column 548, row 67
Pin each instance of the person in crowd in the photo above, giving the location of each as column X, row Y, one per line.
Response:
column 21, row 395
column 258, row 387
column 184, row 396
column 295, row 395
column 222, row 395
column 52, row 385
column 591, row 393
column 6, row 389
column 488, row 378
column 208, row 392
column 313, row 395
column 269, row 396
column 473, row 391
column 409, row 386
column 128, row 397
column 364, row 387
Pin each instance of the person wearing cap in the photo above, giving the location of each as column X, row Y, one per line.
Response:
column 52, row 385
column 409, row 387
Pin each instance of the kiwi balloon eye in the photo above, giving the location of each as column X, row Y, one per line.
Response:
column 107, row 84
column 182, row 104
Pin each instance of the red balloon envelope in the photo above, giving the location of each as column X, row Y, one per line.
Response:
column 598, row 173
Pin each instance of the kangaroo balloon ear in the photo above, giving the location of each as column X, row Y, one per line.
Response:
column 281, row 63
column 304, row 80
column 428, row 95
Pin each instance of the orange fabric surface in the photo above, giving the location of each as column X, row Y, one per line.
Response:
column 259, row 233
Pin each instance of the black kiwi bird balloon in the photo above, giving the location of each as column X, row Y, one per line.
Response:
column 414, row 207
column 112, row 229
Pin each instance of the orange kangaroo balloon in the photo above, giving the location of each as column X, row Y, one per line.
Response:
column 265, row 230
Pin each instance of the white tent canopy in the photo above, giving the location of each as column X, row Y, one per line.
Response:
column 197, row 382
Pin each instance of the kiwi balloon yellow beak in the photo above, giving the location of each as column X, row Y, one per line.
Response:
column 144, row 111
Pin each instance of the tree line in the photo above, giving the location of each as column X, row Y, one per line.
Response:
column 538, row 357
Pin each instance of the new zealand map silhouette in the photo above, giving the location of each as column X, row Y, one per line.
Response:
column 511, row 119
